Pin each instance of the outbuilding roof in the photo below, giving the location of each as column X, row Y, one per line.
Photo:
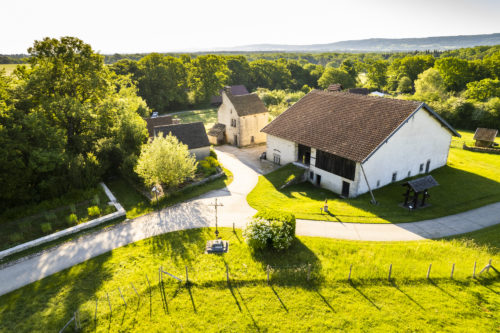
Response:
column 191, row 134
column 217, row 129
column 153, row 122
column 485, row 134
column 348, row 125
column 246, row 105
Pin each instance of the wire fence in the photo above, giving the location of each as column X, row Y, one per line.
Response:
column 141, row 292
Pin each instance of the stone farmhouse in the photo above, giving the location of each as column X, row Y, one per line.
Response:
column 191, row 134
column 240, row 120
column 351, row 143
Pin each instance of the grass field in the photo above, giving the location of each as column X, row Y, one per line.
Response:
column 9, row 68
column 207, row 116
column 327, row 301
column 470, row 180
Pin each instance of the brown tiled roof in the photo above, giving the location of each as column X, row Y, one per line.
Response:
column 348, row 125
column 485, row 134
column 217, row 129
column 246, row 105
column 334, row 87
column 191, row 134
column 235, row 90
column 151, row 123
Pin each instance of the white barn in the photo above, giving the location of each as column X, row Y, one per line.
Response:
column 352, row 143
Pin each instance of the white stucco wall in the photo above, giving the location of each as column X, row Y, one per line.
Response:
column 421, row 139
column 225, row 113
column 251, row 126
column 200, row 153
column 287, row 150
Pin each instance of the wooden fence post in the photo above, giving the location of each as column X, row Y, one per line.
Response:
column 267, row 269
column 474, row 271
column 390, row 271
column 350, row 270
column 429, row 271
column 234, row 230
column 452, row 270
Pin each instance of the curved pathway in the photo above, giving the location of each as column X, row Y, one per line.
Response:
column 198, row 213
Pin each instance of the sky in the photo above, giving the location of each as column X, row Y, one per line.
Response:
column 126, row 26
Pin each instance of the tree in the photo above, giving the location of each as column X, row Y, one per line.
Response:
column 350, row 67
column 270, row 74
column 162, row 82
column 165, row 161
column 333, row 75
column 483, row 90
column 405, row 85
column 430, row 85
column 455, row 73
column 376, row 73
column 239, row 70
column 410, row 67
column 207, row 75
column 315, row 72
column 126, row 67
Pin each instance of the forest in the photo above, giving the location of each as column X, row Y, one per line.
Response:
column 71, row 117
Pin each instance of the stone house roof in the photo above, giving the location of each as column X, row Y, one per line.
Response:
column 246, row 105
column 485, row 134
column 192, row 134
column 217, row 129
column 235, row 90
column 348, row 125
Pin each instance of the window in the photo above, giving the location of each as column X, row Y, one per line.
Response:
column 311, row 175
column 233, row 122
column 252, row 139
column 277, row 159
column 335, row 164
column 378, row 183
column 409, row 173
column 394, row 176
column 421, row 169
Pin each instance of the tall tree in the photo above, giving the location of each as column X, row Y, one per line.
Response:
column 335, row 75
column 162, row 82
column 207, row 75
column 239, row 70
column 270, row 74
column 455, row 73
column 376, row 73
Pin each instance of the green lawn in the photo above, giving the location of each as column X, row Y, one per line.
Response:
column 20, row 229
column 470, row 180
column 9, row 68
column 136, row 204
column 291, row 303
column 207, row 116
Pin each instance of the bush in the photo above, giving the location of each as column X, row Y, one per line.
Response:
column 72, row 219
column 46, row 227
column 50, row 216
column 96, row 201
column 270, row 228
column 72, row 208
column 16, row 237
column 205, row 167
column 93, row 211
column 213, row 153
column 212, row 161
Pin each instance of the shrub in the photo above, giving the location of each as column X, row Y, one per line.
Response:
column 206, row 168
column 50, row 216
column 25, row 225
column 96, row 200
column 72, row 208
column 270, row 228
column 72, row 219
column 16, row 237
column 93, row 211
column 46, row 227
column 212, row 161
column 213, row 153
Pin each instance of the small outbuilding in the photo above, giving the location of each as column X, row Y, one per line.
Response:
column 241, row 118
column 485, row 137
column 191, row 134
column 416, row 187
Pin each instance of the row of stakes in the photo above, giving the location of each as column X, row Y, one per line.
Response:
column 268, row 269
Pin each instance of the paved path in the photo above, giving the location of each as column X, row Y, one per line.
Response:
column 197, row 213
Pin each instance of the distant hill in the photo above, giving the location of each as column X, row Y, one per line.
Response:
column 379, row 44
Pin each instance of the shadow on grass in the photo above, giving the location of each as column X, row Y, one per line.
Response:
column 487, row 237
column 353, row 285
column 325, row 301
column 393, row 283
column 459, row 191
column 248, row 310
column 70, row 288
column 180, row 246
